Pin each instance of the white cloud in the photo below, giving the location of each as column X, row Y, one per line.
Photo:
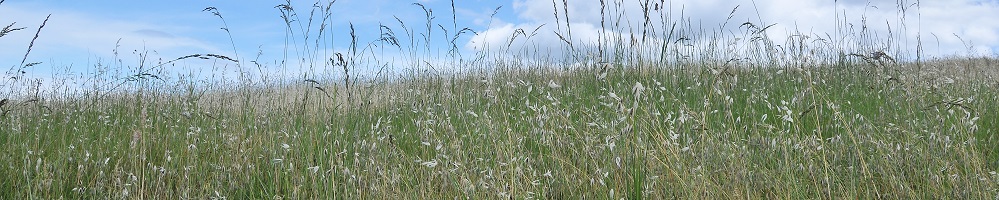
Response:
column 70, row 36
column 971, row 20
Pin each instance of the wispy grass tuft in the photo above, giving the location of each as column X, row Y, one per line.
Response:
column 676, row 112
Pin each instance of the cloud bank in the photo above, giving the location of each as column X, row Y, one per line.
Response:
column 961, row 27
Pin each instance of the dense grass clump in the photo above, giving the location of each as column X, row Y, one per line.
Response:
column 756, row 133
column 851, row 127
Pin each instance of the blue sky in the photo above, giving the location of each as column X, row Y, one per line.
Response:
column 83, row 33
column 80, row 34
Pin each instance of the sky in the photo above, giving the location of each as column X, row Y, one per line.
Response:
column 80, row 35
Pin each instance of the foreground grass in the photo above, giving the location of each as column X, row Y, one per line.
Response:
column 842, row 132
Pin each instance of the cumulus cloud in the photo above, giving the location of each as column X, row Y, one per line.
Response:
column 943, row 27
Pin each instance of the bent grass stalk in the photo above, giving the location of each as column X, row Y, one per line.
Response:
column 697, row 124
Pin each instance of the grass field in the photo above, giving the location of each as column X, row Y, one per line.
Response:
column 854, row 128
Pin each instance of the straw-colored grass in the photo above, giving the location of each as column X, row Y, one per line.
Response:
column 630, row 128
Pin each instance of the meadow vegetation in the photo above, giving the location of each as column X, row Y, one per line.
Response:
column 736, row 117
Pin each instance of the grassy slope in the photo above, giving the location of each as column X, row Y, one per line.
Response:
column 831, row 132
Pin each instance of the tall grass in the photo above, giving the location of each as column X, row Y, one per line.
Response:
column 629, row 117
